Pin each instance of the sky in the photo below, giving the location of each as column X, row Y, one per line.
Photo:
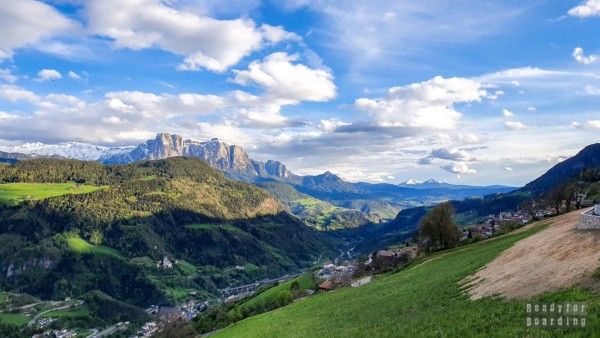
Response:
column 470, row 92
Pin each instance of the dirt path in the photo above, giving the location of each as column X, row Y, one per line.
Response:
column 558, row 256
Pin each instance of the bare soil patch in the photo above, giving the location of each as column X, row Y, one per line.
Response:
column 557, row 257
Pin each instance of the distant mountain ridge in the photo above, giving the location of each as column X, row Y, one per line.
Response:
column 587, row 158
column 375, row 201
column 231, row 159
column 73, row 150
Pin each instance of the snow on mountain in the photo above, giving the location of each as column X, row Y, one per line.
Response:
column 75, row 150
column 413, row 181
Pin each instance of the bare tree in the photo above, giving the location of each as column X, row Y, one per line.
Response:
column 557, row 195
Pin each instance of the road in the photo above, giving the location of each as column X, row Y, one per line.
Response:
column 32, row 321
column 108, row 331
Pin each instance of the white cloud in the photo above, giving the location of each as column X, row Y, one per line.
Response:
column 48, row 75
column 7, row 76
column 149, row 105
column 458, row 168
column 582, row 58
column 389, row 17
column 531, row 108
column 495, row 95
column 586, row 8
column 13, row 93
column 507, row 113
column 512, row 75
column 592, row 90
column 330, row 125
column 428, row 104
column 74, row 75
column 514, row 125
column 205, row 42
column 576, row 124
column 449, row 154
column 594, row 124
column 509, row 169
column 287, row 82
column 26, row 22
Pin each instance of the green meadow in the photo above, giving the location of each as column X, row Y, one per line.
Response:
column 13, row 319
column 306, row 282
column 18, row 192
column 82, row 246
column 424, row 299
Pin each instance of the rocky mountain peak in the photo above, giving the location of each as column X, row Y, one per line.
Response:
column 231, row 159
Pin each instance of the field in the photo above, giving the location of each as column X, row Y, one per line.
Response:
column 80, row 245
column 13, row 319
column 424, row 299
column 317, row 212
column 17, row 192
column 80, row 311
column 306, row 282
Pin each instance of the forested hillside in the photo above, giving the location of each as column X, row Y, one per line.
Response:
column 216, row 232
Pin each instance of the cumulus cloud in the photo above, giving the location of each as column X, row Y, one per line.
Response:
column 284, row 81
column 119, row 116
column 448, row 154
column 586, row 9
column 26, row 22
column 204, row 42
column 14, row 93
column 6, row 75
column 580, row 57
column 531, row 108
column 507, row 113
column 458, row 168
column 509, row 169
column 428, row 104
column 287, row 81
column 514, row 125
column 48, row 75
column 594, row 124
column 148, row 105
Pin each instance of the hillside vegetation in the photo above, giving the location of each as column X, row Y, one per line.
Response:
column 18, row 192
column 146, row 211
column 424, row 299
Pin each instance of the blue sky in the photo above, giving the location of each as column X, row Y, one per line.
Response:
column 382, row 91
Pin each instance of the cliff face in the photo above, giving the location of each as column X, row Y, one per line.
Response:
column 231, row 159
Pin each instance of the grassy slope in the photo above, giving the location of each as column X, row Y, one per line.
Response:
column 80, row 245
column 13, row 319
column 16, row 192
column 306, row 282
column 422, row 300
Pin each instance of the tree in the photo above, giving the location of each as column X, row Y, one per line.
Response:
column 96, row 237
column 529, row 206
column 558, row 195
column 437, row 230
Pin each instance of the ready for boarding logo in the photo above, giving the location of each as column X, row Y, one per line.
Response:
column 555, row 315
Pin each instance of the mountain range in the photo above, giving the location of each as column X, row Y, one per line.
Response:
column 331, row 197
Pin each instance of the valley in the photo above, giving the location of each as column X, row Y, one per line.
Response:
column 325, row 201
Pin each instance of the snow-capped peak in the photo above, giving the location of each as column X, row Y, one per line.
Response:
column 433, row 181
column 412, row 181
column 75, row 150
